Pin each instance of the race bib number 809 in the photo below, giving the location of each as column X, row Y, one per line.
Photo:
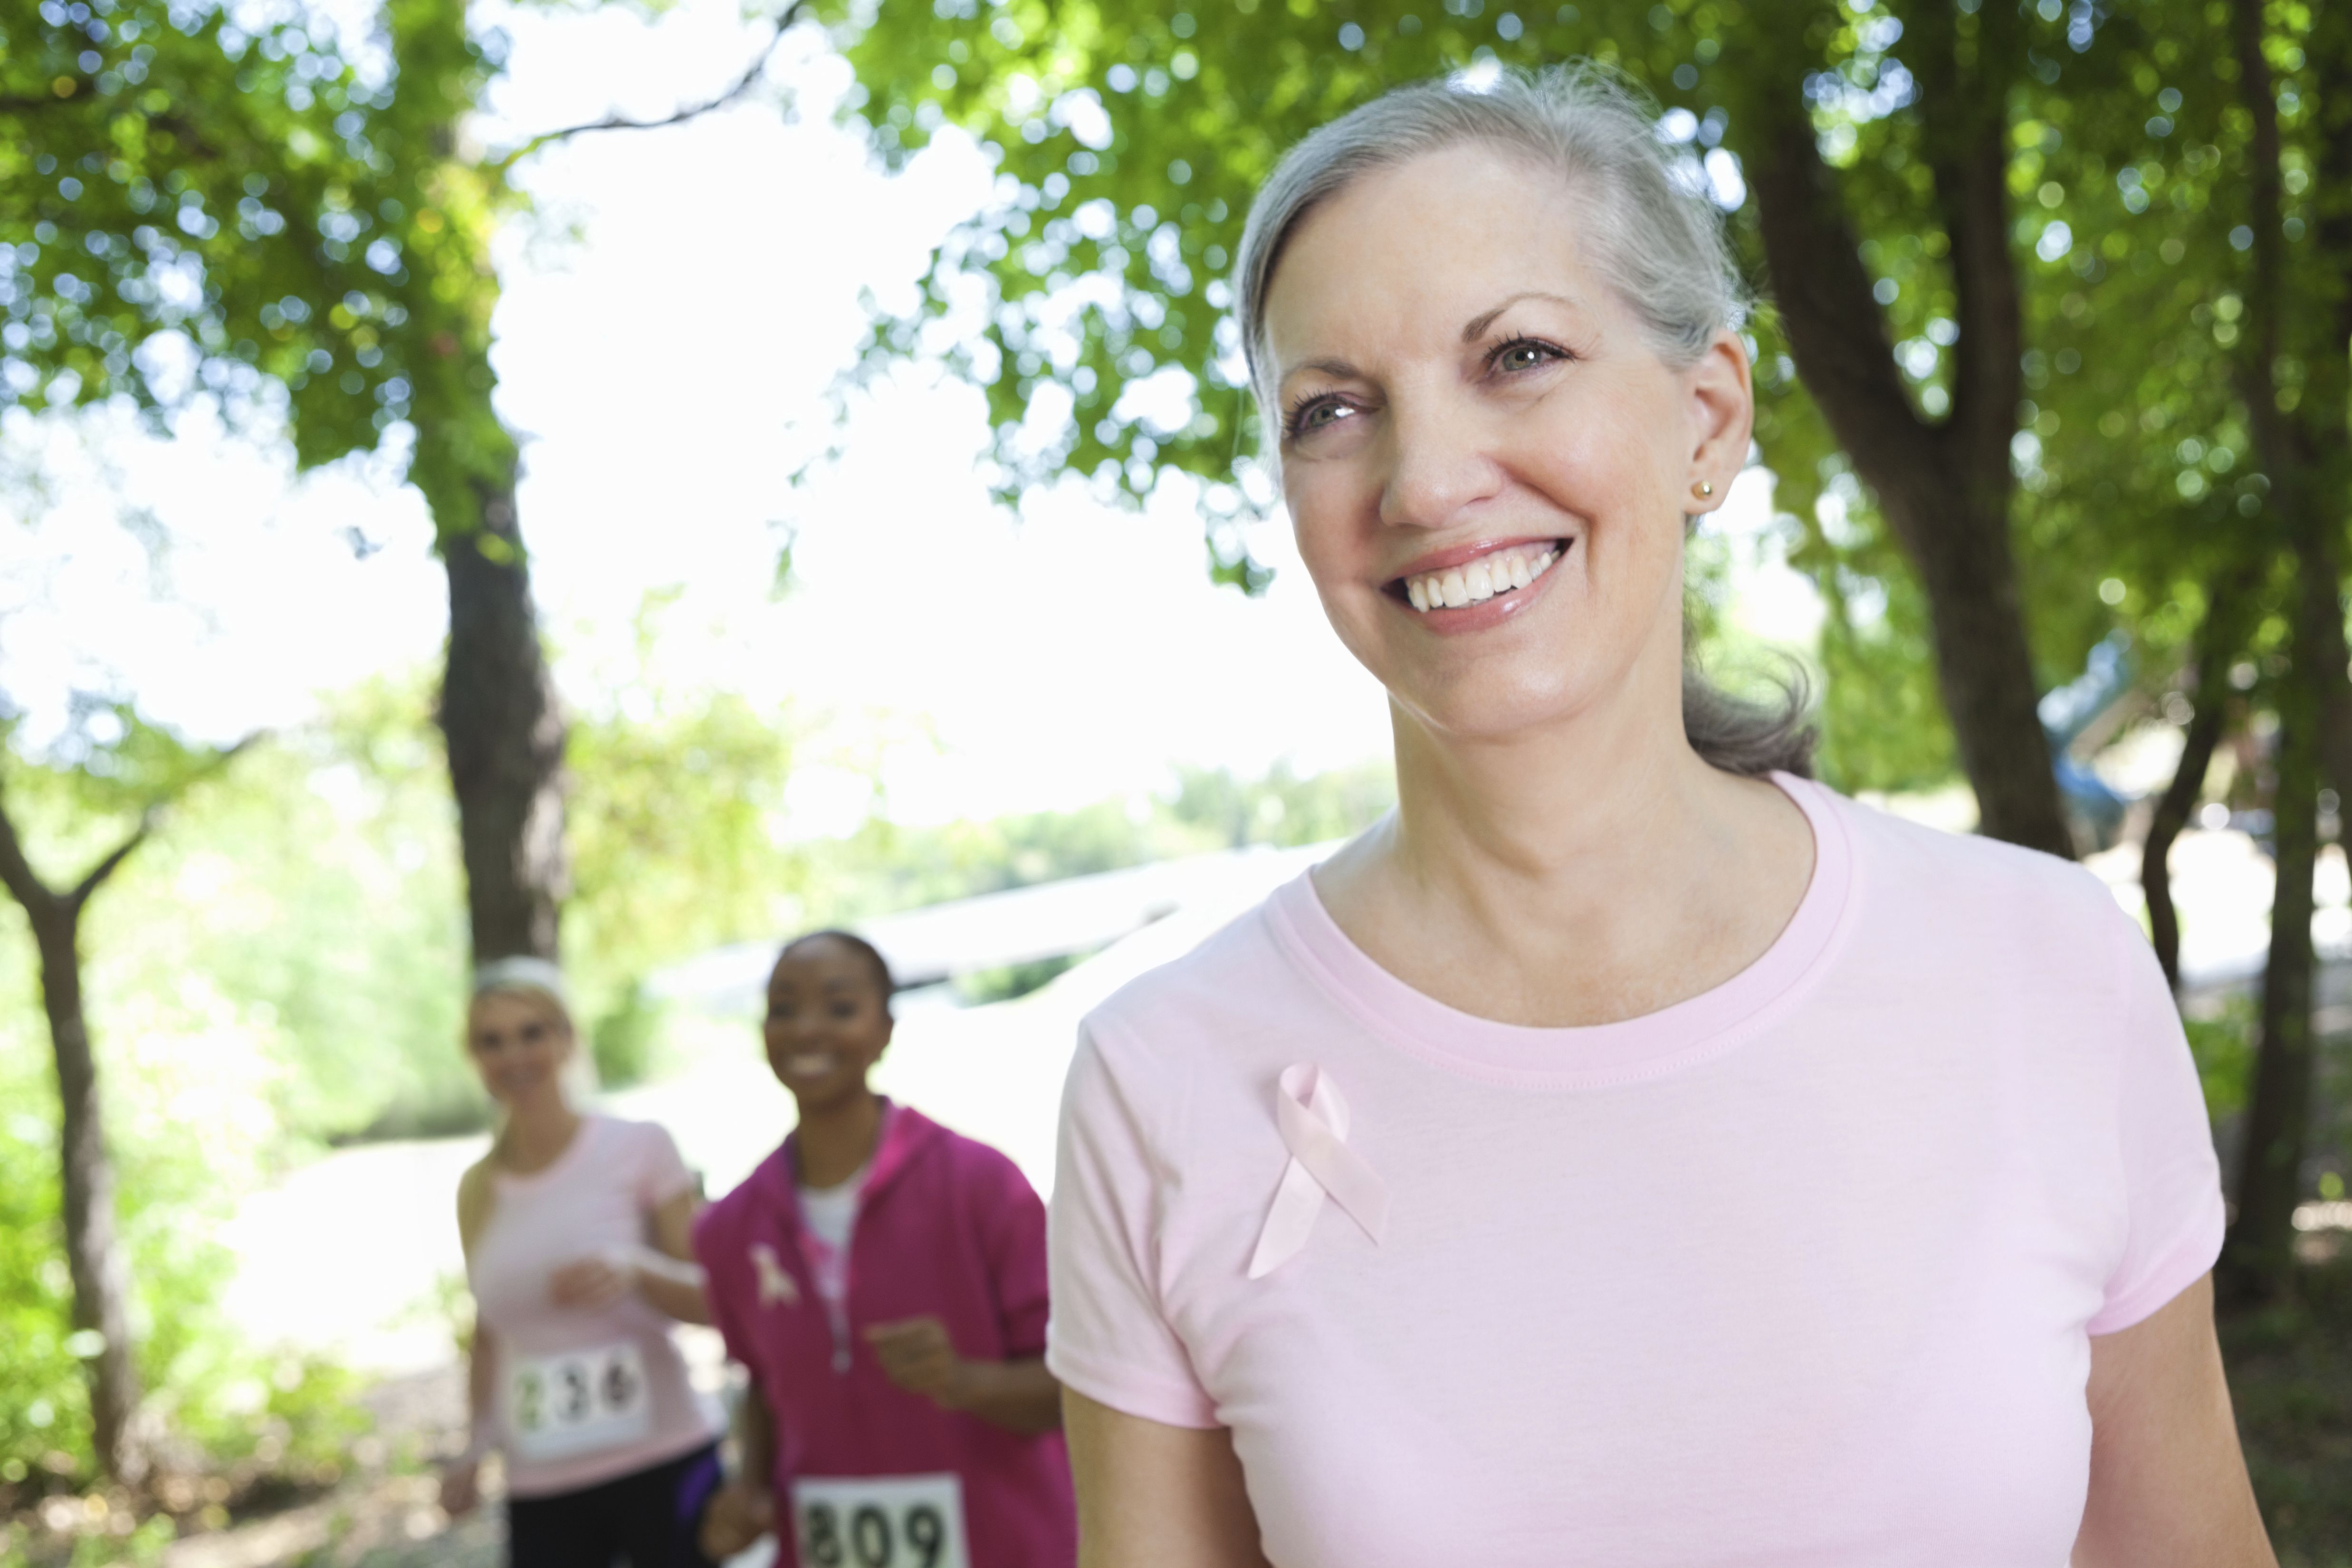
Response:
column 881, row 1521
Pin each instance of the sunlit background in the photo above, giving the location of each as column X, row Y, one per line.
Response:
column 818, row 670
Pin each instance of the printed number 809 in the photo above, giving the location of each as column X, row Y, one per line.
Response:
column 872, row 1539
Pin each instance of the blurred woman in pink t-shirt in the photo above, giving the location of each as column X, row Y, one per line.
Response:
column 577, row 1231
column 1628, row 1152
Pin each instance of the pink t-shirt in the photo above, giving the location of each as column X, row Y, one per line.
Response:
column 583, row 1395
column 1799, row 1271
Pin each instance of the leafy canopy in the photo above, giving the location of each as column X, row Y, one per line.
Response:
column 1089, row 297
column 198, row 201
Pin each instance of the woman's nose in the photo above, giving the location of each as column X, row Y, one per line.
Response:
column 1437, row 461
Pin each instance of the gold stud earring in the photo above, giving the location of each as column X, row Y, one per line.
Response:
column 1702, row 490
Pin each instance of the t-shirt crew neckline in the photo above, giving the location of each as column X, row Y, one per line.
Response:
column 591, row 1124
column 1598, row 1056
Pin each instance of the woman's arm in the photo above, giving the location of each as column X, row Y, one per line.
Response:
column 2169, row 1487
column 1018, row 1396
column 668, row 1275
column 744, row 1509
column 664, row 1274
column 461, row 1484
column 461, row 1488
column 1151, row 1496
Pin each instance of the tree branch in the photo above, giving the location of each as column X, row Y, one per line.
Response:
column 113, row 860
column 1965, row 130
column 149, row 818
column 1835, row 326
column 38, row 897
column 616, row 122
column 40, row 102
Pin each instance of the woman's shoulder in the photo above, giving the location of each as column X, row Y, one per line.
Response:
column 973, row 1167
column 1920, row 876
column 623, row 1133
column 1236, row 973
column 748, row 1204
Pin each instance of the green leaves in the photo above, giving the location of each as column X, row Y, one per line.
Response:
column 168, row 174
column 189, row 208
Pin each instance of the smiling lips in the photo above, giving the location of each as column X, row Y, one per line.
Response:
column 810, row 1064
column 1504, row 570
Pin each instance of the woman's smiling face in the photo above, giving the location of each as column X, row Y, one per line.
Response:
column 1487, row 462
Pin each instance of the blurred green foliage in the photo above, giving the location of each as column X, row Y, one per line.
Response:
column 888, row 866
column 1014, row 980
column 2290, row 1381
column 278, row 970
column 265, row 210
column 259, row 210
column 188, row 1143
column 2223, row 1045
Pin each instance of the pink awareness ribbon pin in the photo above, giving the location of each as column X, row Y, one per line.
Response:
column 776, row 1285
column 1313, row 1120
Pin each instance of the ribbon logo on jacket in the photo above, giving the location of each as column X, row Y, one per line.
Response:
column 1313, row 1120
column 776, row 1285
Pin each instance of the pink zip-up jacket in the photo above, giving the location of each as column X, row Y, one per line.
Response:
column 949, row 1229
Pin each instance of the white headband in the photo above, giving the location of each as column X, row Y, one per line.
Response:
column 522, row 973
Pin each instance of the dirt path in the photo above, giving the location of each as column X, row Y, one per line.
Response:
column 384, row 1513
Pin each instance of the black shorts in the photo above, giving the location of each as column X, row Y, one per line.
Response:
column 647, row 1519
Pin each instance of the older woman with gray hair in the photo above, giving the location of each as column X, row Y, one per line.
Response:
column 1628, row 1151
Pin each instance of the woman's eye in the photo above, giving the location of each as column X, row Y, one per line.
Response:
column 1319, row 414
column 1524, row 354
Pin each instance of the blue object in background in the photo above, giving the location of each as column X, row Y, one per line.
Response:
column 2094, row 808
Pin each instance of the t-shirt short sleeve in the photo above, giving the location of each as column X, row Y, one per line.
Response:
column 1109, row 1338
column 2171, row 1181
column 658, row 1172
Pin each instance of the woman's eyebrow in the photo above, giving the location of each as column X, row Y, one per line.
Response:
column 1478, row 324
column 1337, row 369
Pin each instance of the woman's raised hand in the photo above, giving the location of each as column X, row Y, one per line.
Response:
column 461, row 1486
column 594, row 1283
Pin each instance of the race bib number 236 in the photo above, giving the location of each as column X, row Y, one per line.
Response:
column 578, row 1402
column 880, row 1522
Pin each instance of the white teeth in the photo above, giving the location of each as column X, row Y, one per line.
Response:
column 1502, row 572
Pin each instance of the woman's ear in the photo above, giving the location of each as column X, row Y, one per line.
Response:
column 1723, row 420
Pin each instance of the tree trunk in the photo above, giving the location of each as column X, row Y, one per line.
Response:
column 2259, row 1252
column 2180, row 796
column 505, row 730
column 102, row 1279
column 94, row 1260
column 2301, row 454
column 1945, row 487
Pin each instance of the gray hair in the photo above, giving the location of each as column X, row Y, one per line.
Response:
column 1657, row 242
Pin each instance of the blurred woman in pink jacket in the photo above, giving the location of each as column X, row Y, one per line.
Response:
column 883, row 1282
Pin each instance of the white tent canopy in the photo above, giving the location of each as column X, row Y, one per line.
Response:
column 1022, row 925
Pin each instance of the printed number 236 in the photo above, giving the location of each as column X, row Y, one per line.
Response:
column 872, row 1537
